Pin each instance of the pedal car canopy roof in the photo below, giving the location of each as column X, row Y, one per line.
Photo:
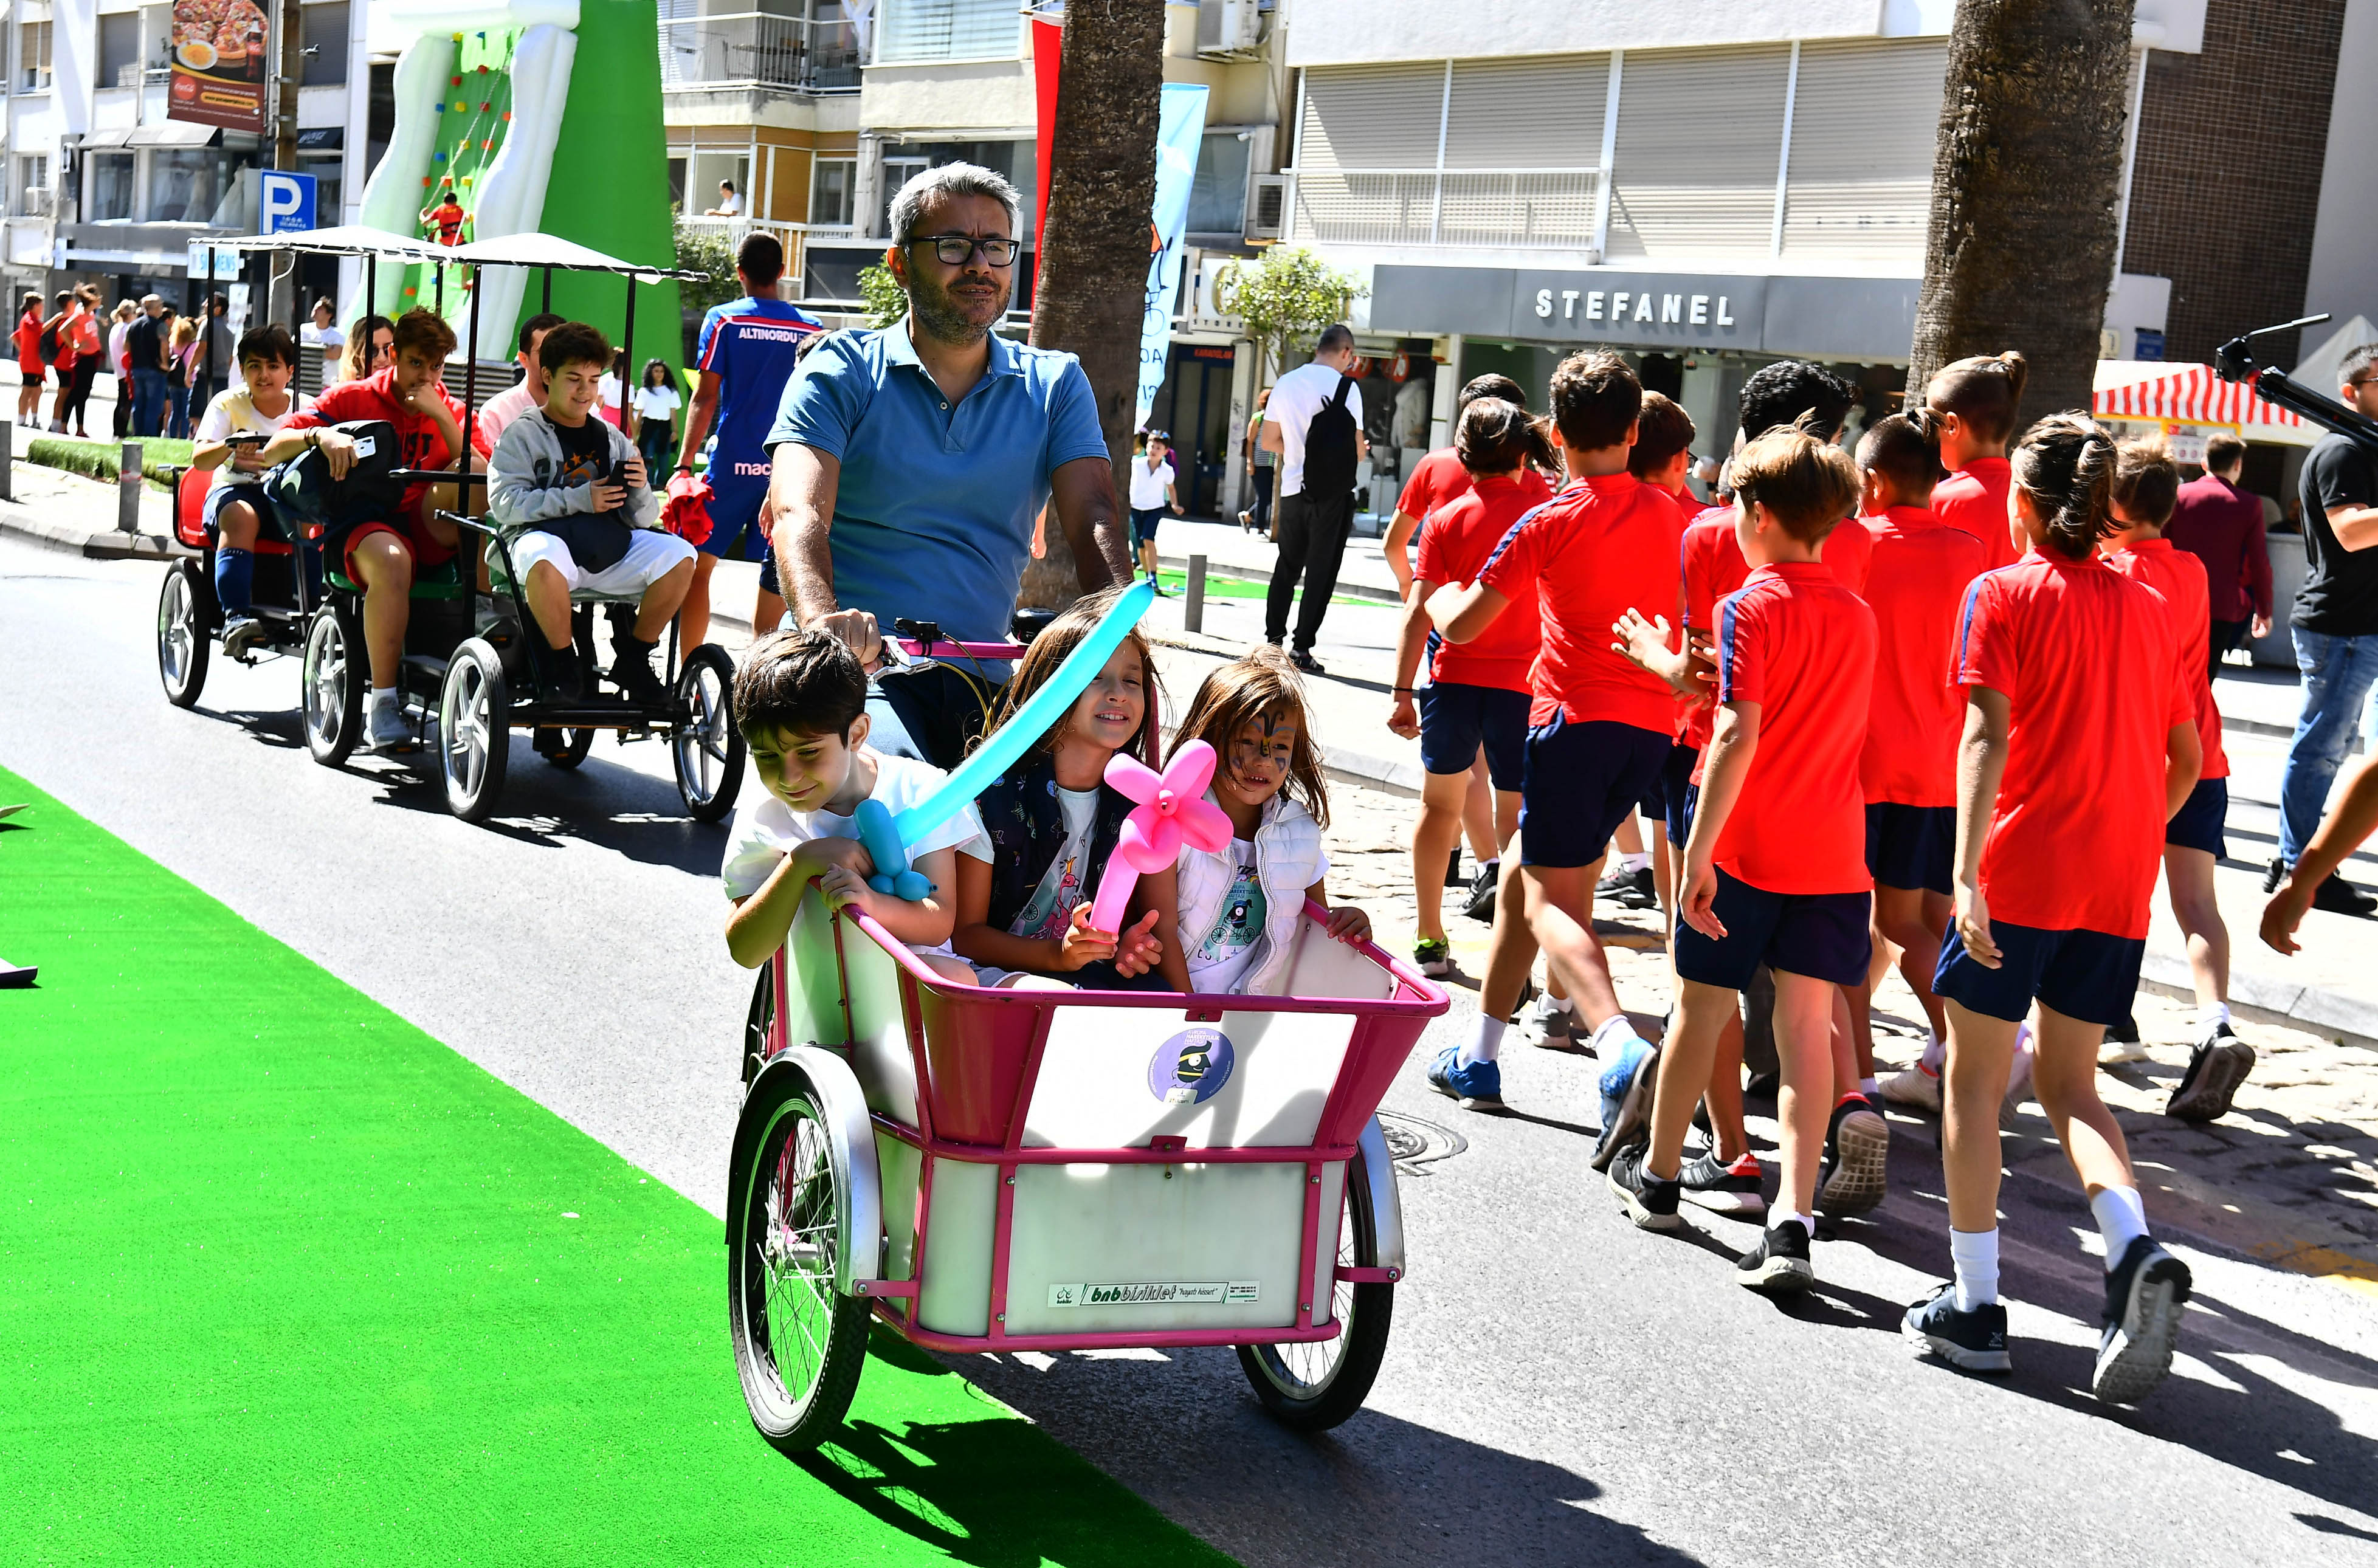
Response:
column 509, row 250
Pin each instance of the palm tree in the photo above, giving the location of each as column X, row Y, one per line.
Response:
column 2024, row 184
column 1092, row 280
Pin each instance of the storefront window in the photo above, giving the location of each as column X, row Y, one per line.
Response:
column 325, row 42
column 110, row 188
column 196, row 185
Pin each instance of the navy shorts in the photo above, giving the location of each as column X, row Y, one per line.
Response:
column 735, row 530
column 1822, row 935
column 257, row 497
column 1680, row 814
column 1911, row 846
column 1142, row 523
column 1456, row 719
column 2084, row 975
column 1582, row 780
column 1661, row 802
column 2201, row 819
column 768, row 583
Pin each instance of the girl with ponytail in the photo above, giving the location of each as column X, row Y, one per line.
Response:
column 1970, row 409
column 2080, row 744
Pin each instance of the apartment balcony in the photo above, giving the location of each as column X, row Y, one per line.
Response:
column 755, row 51
column 1504, row 208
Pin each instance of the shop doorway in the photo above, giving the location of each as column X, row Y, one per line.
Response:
column 1194, row 404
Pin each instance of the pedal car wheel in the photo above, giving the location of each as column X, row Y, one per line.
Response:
column 707, row 748
column 574, row 747
column 1315, row 1386
column 475, row 734
column 759, row 1022
column 184, row 634
column 798, row 1343
column 330, row 687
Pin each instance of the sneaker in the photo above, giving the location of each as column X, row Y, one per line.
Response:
column 1481, row 905
column 1547, row 1024
column 1650, row 1202
column 1159, row 588
column 1972, row 1342
column 240, row 633
column 2340, row 897
column 1852, row 1177
column 2273, row 874
column 1303, row 660
column 1478, row 1086
column 1779, row 1263
column 1724, row 1188
column 1626, row 1088
column 1628, row 890
column 1433, row 959
column 2143, row 1297
column 1916, row 1088
column 2122, row 1045
column 2216, row 1068
column 632, row 671
column 569, row 674
column 385, row 729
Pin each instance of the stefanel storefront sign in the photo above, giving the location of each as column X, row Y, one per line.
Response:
column 220, row 64
column 1651, row 308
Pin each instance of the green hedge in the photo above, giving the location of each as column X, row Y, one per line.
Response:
column 97, row 459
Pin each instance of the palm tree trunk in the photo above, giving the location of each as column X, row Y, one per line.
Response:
column 2026, row 180
column 1092, row 279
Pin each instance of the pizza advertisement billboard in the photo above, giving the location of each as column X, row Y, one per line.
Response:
column 222, row 65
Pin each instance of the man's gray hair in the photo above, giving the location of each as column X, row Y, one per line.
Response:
column 2357, row 362
column 922, row 191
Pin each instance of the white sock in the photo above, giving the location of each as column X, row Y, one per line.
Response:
column 1808, row 1224
column 2122, row 1217
column 1935, row 1055
column 383, row 697
column 1559, row 1004
column 2211, row 1016
column 1491, row 866
column 1484, row 1041
column 1608, row 1040
column 1636, row 862
column 1869, row 1087
column 1974, row 1254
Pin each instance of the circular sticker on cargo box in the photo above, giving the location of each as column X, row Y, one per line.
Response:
column 1191, row 1067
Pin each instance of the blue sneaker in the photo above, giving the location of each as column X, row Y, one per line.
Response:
column 1478, row 1086
column 1973, row 1342
column 2146, row 1297
column 1627, row 1086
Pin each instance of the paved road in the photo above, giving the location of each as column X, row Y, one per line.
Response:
column 1560, row 1388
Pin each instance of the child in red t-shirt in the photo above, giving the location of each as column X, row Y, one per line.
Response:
column 1973, row 406
column 1438, row 478
column 1599, row 726
column 2147, row 487
column 1478, row 692
column 2081, row 742
column 1774, row 869
column 1915, row 586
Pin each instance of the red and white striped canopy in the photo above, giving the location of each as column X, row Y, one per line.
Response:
column 2191, row 394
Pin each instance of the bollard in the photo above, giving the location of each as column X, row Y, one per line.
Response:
column 7, row 474
column 127, row 488
column 1192, row 602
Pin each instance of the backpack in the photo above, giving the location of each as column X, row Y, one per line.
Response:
column 1329, row 446
column 49, row 344
column 301, row 488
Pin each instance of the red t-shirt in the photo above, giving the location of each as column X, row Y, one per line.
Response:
column 1974, row 499
column 424, row 446
column 1712, row 567
column 2181, row 578
column 1794, row 639
column 1460, row 534
column 1849, row 551
column 1603, row 545
column 28, row 344
column 1915, row 586
column 1436, row 479
column 2090, row 668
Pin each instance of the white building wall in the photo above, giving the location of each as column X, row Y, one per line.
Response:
column 2343, row 280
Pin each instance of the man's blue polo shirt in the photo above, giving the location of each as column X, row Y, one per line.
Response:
column 932, row 518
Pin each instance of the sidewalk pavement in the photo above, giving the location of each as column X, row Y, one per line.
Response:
column 68, row 511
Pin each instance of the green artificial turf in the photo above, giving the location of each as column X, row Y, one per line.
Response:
column 283, row 1280
column 1219, row 586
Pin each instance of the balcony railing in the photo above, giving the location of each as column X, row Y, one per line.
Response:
column 754, row 49
column 1546, row 208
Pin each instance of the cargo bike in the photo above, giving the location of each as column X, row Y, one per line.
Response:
column 1031, row 1170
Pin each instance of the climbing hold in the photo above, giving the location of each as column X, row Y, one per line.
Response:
column 507, row 113
column 458, row 81
column 441, row 158
column 409, row 292
column 427, row 182
column 485, row 107
column 483, row 70
column 486, row 147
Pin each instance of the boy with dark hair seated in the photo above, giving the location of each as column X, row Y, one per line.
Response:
column 571, row 500
column 237, row 505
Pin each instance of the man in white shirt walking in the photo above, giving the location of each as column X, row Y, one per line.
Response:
column 1315, row 422
column 1151, row 491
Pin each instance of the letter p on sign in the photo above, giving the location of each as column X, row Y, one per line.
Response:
column 284, row 202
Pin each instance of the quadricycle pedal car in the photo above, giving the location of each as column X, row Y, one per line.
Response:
column 288, row 587
column 1047, row 1170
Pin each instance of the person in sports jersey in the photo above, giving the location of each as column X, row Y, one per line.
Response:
column 745, row 357
column 2147, row 488
column 1974, row 405
column 2080, row 744
column 446, row 217
column 31, row 366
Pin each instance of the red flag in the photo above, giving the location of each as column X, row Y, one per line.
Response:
column 1046, row 37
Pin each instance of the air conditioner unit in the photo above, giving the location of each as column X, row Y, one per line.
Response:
column 1267, row 207
column 1229, row 26
column 39, row 200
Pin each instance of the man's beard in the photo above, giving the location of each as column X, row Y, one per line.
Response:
column 943, row 321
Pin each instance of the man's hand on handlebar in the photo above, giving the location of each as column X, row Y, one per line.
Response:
column 859, row 632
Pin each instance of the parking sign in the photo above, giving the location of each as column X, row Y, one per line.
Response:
column 285, row 202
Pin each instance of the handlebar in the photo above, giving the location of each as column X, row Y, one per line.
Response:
column 946, row 647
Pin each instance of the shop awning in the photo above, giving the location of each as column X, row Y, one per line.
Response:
column 101, row 139
column 2156, row 392
column 174, row 132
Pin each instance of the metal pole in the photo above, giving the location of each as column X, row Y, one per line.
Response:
column 547, row 305
column 8, row 473
column 1193, row 601
column 371, row 285
column 628, row 358
column 127, row 488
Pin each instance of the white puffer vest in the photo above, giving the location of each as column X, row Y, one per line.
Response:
column 1289, row 859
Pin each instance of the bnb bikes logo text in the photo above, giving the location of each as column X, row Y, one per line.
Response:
column 1191, row 1067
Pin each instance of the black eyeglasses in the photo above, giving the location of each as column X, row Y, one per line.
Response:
column 955, row 250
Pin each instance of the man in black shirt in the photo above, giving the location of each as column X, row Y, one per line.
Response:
column 145, row 346
column 2336, row 630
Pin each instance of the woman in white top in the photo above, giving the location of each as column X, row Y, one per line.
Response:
column 656, row 406
column 323, row 333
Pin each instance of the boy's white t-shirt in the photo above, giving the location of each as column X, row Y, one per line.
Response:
column 1049, row 913
column 1218, row 961
column 1147, row 483
column 232, row 413
column 763, row 835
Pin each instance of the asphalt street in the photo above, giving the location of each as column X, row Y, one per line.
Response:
column 1559, row 1388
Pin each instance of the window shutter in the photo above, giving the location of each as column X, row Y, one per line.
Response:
column 1359, row 121
column 1527, row 113
column 947, row 29
column 1864, row 126
column 1699, row 134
